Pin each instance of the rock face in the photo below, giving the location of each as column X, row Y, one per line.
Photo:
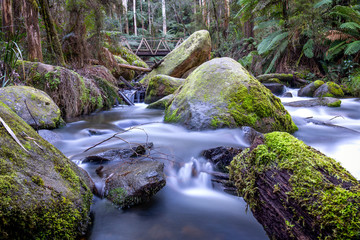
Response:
column 221, row 156
column 326, row 101
column 275, row 88
column 221, row 93
column 309, row 90
column 161, row 86
column 43, row 195
column 329, row 89
column 191, row 53
column 132, row 183
column 75, row 95
column 42, row 108
column 295, row 191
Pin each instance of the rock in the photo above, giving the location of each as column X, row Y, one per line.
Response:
column 162, row 103
column 108, row 60
column 128, row 56
column 132, row 183
column 287, row 95
column 50, row 136
column 97, row 132
column 191, row 53
column 251, row 134
column 160, row 86
column 118, row 154
column 295, row 191
column 329, row 89
column 326, row 101
column 33, row 105
column 43, row 195
column 125, row 73
column 309, row 90
column 75, row 95
column 291, row 80
column 221, row 157
column 221, row 93
column 275, row 88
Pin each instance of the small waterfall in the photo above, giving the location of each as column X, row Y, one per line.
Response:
column 193, row 174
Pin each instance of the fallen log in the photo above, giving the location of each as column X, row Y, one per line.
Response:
column 295, row 191
column 290, row 79
column 141, row 69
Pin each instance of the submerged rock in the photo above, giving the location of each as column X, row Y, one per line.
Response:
column 160, row 86
column 221, row 156
column 33, row 105
column 275, row 88
column 191, row 53
column 295, row 191
column 221, row 93
column 329, row 89
column 43, row 195
column 325, row 101
column 132, row 183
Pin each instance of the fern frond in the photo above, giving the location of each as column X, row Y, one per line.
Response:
column 322, row 3
column 272, row 41
column 277, row 55
column 266, row 24
column 352, row 48
column 334, row 35
column 309, row 48
column 334, row 51
column 347, row 13
column 350, row 26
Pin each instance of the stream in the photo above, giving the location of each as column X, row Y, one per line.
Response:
column 189, row 206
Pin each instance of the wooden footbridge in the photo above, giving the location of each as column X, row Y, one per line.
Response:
column 151, row 46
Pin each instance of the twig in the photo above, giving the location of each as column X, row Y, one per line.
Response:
column 336, row 117
column 12, row 134
column 36, row 124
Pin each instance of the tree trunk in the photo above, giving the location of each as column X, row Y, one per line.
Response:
column 149, row 15
column 226, row 17
column 164, row 17
column 135, row 25
column 31, row 15
column 125, row 11
column 51, row 34
column 7, row 18
column 249, row 28
column 142, row 14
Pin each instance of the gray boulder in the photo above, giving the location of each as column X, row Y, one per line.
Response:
column 161, row 86
column 43, row 195
column 222, row 93
column 329, row 89
column 326, row 101
column 33, row 105
column 275, row 88
column 309, row 90
column 162, row 103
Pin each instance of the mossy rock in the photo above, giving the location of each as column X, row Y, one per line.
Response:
column 43, row 195
column 309, row 90
column 191, row 53
column 126, row 73
column 295, row 191
column 325, row 101
column 75, row 95
column 221, row 93
column 127, row 55
column 330, row 89
column 162, row 103
column 161, row 86
column 34, row 106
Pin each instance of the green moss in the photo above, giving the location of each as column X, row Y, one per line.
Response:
column 117, row 195
column 172, row 117
column 108, row 92
column 37, row 180
column 335, row 104
column 318, row 83
column 161, row 86
column 333, row 207
column 335, row 89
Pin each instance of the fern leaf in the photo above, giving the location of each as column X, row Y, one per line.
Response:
column 309, row 48
column 264, row 25
column 352, row 48
column 272, row 41
column 322, row 3
column 280, row 50
column 350, row 26
column 334, row 51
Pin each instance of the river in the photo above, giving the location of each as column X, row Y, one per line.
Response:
column 189, row 207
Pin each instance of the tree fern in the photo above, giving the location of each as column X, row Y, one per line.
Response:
column 277, row 55
column 266, row 24
column 335, row 50
column 309, row 48
column 322, row 3
column 352, row 48
column 350, row 26
column 272, row 41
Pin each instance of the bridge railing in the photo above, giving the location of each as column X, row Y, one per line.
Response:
column 151, row 46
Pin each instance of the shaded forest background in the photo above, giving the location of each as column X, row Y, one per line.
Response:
column 315, row 39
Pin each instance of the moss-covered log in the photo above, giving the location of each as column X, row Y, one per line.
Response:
column 295, row 191
column 287, row 78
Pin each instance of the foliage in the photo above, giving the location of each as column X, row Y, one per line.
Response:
column 9, row 55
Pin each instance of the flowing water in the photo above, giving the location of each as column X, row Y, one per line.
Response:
column 189, row 207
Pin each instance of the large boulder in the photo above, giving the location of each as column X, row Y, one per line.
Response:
column 191, row 53
column 43, row 195
column 329, row 89
column 309, row 90
column 295, row 191
column 33, row 105
column 162, row 103
column 221, row 93
column 161, row 86
column 133, row 182
column 75, row 95
column 111, row 62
